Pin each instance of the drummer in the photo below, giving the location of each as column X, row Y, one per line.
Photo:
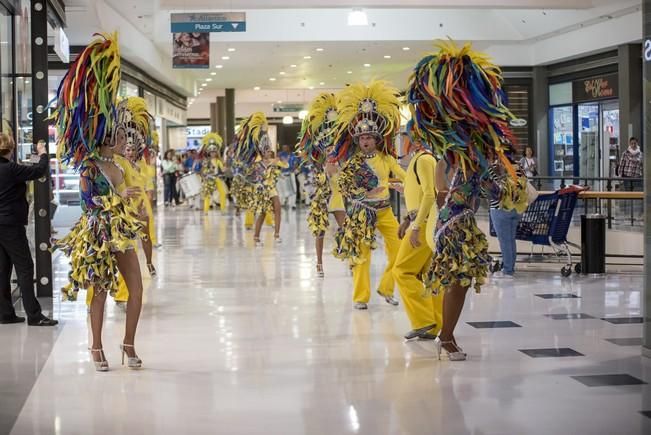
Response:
column 195, row 168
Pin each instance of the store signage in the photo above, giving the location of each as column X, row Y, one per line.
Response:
column 647, row 50
column 209, row 22
column 288, row 108
column 198, row 131
column 518, row 122
column 595, row 88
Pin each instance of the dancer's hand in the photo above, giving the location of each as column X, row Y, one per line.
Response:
column 375, row 191
column 414, row 237
column 398, row 187
column 404, row 226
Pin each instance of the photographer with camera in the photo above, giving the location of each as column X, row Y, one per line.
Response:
column 14, row 248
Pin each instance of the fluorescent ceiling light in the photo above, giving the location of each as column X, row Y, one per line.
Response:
column 319, row 49
column 311, row 88
column 367, row 65
column 307, row 57
column 406, row 48
column 302, row 114
column 322, row 83
column 209, row 80
column 287, row 120
column 349, row 72
column 213, row 73
column 225, row 57
column 219, row 66
column 231, row 49
column 357, row 17
column 292, row 66
column 282, row 73
column 256, row 88
column 386, row 56
column 272, row 79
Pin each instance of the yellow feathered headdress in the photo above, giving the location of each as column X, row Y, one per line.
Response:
column 211, row 142
column 372, row 109
column 135, row 120
column 317, row 132
column 252, row 138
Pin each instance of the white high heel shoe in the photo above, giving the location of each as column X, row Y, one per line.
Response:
column 133, row 362
column 457, row 355
column 102, row 365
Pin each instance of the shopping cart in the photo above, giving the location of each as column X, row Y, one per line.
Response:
column 546, row 223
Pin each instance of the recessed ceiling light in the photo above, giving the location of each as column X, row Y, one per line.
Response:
column 386, row 56
column 307, row 57
column 213, row 73
column 282, row 73
column 319, row 49
column 256, row 88
column 349, row 72
column 405, row 49
column 292, row 66
column 357, row 17
column 322, row 83
column 311, row 88
column 279, row 101
column 225, row 57
column 209, row 80
column 272, row 79
column 231, row 49
column 367, row 65
column 219, row 66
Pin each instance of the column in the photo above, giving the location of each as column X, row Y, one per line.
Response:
column 540, row 110
column 213, row 117
column 230, row 115
column 630, row 93
column 221, row 118
column 646, row 310
column 42, row 186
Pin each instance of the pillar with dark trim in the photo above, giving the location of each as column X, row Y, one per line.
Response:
column 230, row 115
column 646, row 111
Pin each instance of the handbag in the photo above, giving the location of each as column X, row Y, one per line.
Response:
column 532, row 193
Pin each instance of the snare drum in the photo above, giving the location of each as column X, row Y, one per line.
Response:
column 190, row 184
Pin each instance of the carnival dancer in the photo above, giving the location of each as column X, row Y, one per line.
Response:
column 212, row 171
column 459, row 108
column 317, row 136
column 101, row 242
column 369, row 118
column 425, row 311
column 258, row 178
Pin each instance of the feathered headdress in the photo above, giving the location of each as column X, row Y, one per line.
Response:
column 85, row 102
column 317, row 131
column 252, row 138
column 458, row 106
column 372, row 109
column 211, row 142
column 137, row 123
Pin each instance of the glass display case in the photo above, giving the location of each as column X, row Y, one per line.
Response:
column 563, row 141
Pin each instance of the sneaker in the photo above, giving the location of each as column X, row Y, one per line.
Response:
column 360, row 306
column 389, row 299
column 11, row 320
column 502, row 275
column 43, row 321
column 418, row 333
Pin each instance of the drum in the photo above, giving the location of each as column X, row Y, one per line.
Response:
column 190, row 184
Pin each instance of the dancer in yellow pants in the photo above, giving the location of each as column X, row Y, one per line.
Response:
column 369, row 117
column 212, row 147
column 415, row 254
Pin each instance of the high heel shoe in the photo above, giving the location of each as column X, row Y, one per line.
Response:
column 102, row 365
column 452, row 356
column 277, row 238
column 319, row 271
column 151, row 269
column 257, row 242
column 133, row 362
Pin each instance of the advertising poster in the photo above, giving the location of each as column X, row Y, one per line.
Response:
column 191, row 50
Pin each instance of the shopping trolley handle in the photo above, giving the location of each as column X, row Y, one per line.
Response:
column 573, row 188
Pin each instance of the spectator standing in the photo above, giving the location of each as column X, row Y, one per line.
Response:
column 528, row 163
column 630, row 165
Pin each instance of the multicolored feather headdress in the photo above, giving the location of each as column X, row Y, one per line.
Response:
column 85, row 104
column 372, row 109
column 458, row 107
column 317, row 132
column 252, row 138
column 211, row 142
column 134, row 119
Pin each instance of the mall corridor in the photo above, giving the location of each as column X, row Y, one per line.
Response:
column 244, row 340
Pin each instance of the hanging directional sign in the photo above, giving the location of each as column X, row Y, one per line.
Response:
column 209, row 22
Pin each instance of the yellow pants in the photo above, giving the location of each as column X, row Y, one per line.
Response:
column 422, row 310
column 223, row 199
column 388, row 226
column 249, row 219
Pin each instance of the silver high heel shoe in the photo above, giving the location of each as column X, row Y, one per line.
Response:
column 133, row 362
column 319, row 271
column 100, row 366
column 452, row 356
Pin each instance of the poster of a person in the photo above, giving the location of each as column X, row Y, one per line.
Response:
column 191, row 50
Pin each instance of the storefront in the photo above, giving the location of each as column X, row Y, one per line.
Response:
column 584, row 127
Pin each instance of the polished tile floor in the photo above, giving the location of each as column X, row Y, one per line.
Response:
column 244, row 340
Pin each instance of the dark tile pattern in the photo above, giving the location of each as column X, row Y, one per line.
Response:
column 550, row 352
column 633, row 341
column 623, row 320
column 495, row 324
column 569, row 316
column 558, row 296
column 608, row 380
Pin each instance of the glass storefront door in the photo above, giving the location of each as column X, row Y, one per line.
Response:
column 589, row 144
column 610, row 137
column 562, row 123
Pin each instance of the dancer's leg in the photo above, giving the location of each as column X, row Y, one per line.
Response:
column 130, row 270
column 97, row 304
column 276, row 204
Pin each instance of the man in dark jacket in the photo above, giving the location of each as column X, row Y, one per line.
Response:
column 14, row 248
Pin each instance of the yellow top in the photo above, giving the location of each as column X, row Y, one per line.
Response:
column 336, row 199
column 149, row 172
column 383, row 165
column 132, row 177
column 421, row 197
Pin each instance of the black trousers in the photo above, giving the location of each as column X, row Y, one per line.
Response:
column 14, row 252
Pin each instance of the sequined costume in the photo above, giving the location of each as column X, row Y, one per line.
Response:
column 212, row 171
